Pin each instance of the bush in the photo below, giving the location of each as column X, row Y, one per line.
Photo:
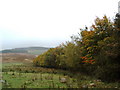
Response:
column 108, row 73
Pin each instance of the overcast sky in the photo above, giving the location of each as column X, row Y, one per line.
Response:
column 48, row 23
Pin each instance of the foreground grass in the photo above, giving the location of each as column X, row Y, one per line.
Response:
column 26, row 76
column 35, row 80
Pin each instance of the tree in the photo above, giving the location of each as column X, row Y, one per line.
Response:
column 95, row 51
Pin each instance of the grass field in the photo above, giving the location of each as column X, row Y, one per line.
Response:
column 22, row 76
column 36, row 80
column 45, row 78
column 25, row 75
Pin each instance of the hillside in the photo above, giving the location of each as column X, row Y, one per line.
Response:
column 29, row 50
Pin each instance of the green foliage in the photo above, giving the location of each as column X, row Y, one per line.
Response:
column 71, row 52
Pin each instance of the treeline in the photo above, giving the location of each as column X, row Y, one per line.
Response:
column 95, row 52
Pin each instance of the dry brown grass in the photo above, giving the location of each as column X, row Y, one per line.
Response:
column 17, row 57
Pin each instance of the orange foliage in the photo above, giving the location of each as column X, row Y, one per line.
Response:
column 87, row 60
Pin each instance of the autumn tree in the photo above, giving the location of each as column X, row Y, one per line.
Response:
column 95, row 52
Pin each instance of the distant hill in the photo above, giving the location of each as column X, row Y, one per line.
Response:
column 29, row 50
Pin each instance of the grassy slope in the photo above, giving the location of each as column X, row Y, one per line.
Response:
column 47, row 78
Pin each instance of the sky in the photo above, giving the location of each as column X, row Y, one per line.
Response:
column 48, row 23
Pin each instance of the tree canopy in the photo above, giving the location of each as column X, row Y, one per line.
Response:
column 95, row 51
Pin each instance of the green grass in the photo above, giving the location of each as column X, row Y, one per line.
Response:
column 11, row 64
column 0, row 67
column 35, row 80
column 19, row 75
column 14, row 81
